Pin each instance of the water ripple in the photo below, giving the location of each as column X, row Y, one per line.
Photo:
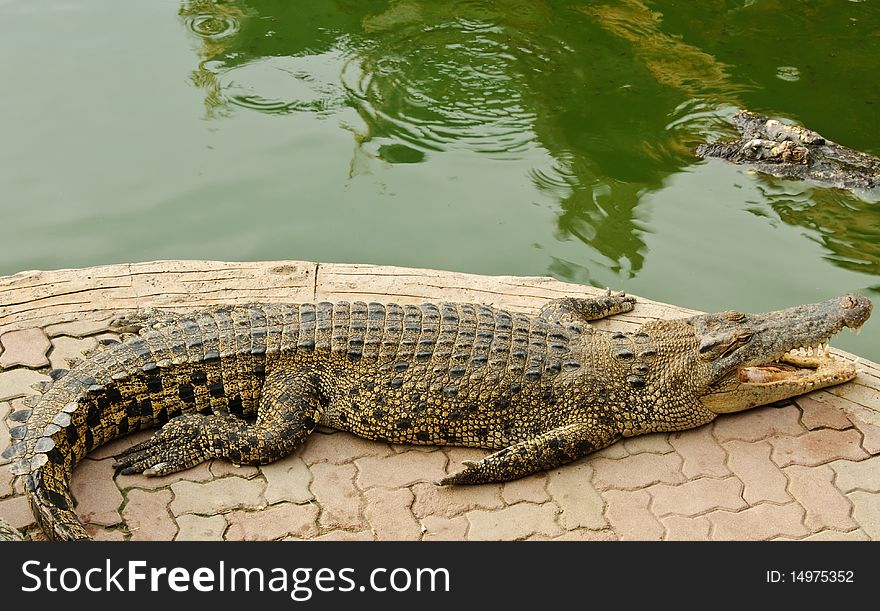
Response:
column 282, row 85
column 212, row 27
column 447, row 86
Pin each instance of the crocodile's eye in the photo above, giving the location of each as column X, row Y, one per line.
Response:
column 719, row 347
column 734, row 316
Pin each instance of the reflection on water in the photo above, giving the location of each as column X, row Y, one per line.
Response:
column 500, row 80
column 847, row 227
column 606, row 99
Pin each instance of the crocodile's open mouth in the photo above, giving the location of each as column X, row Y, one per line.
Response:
column 808, row 368
column 794, row 373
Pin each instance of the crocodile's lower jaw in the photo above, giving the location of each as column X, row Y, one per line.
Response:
column 792, row 375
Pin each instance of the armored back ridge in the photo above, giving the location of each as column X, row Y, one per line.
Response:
column 250, row 383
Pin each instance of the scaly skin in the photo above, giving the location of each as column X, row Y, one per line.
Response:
column 540, row 390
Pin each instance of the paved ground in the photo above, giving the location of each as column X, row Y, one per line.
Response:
column 805, row 471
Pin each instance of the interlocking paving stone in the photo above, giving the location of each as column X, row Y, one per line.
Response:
column 513, row 522
column 868, row 424
column 437, row 528
column 398, row 470
column 833, row 535
column 759, row 423
column 79, row 328
column 655, row 443
column 637, row 471
column 763, row 480
column 584, row 534
column 681, row 528
column 274, row 522
column 389, row 515
column 449, row 501
column 221, row 468
column 614, row 451
column 864, row 475
column 344, row 535
column 17, row 512
column 19, row 382
column 288, row 479
column 765, row 521
column 147, row 517
column 65, row 348
column 580, row 505
column 817, row 447
column 866, row 511
column 105, row 534
column 200, row 528
column 629, row 515
column 217, row 496
column 817, row 414
column 340, row 448
column 97, row 497
column 532, row 489
column 340, row 500
column 826, row 506
column 27, row 348
column 697, row 496
column 701, row 452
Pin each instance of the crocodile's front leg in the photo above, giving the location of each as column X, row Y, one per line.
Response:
column 546, row 451
column 290, row 408
column 574, row 309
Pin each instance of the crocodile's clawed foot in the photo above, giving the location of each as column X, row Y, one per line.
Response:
column 617, row 302
column 134, row 322
column 465, row 476
column 178, row 445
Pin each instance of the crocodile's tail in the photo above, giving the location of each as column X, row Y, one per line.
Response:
column 52, row 504
column 53, row 438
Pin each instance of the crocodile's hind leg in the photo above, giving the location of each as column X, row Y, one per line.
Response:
column 290, row 408
column 546, row 451
column 572, row 309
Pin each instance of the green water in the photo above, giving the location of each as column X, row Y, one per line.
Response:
column 519, row 137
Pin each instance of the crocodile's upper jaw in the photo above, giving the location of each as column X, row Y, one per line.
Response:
column 763, row 358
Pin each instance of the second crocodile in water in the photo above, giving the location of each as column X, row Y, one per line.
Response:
column 792, row 151
column 250, row 383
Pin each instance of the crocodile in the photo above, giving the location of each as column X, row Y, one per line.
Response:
column 249, row 384
column 791, row 151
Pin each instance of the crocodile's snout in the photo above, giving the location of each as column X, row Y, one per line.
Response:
column 856, row 309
